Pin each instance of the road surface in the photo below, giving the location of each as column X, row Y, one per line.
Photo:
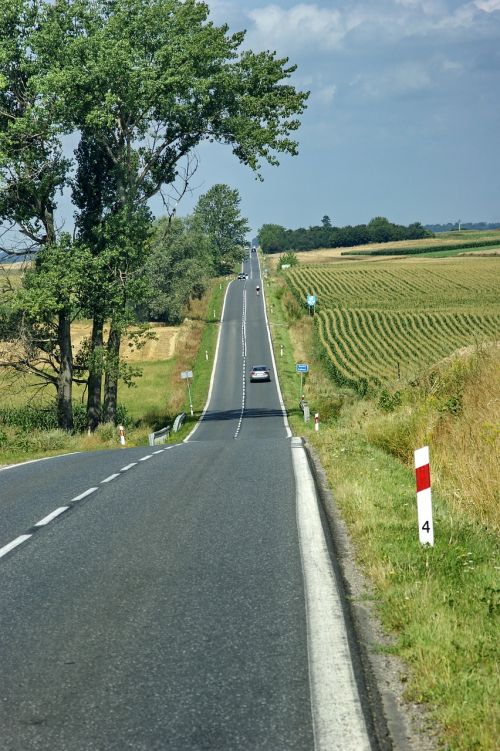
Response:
column 178, row 598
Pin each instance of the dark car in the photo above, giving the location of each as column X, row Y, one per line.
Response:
column 253, row 250
column 260, row 373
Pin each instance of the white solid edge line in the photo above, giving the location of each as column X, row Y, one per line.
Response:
column 11, row 545
column 280, row 396
column 51, row 516
column 42, row 459
column 84, row 494
column 338, row 720
column 212, row 377
column 111, row 477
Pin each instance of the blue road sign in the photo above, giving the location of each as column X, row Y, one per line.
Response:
column 302, row 367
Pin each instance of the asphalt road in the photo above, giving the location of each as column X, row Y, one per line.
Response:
column 155, row 598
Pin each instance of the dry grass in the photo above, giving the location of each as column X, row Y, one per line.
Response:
column 466, row 448
column 162, row 347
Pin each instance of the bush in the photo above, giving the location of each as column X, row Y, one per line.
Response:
column 288, row 259
column 388, row 402
column 29, row 417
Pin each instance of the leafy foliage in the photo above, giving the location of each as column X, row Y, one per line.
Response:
column 274, row 238
column 218, row 215
column 178, row 268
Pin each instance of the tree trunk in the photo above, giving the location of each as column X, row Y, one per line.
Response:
column 111, row 377
column 94, row 383
column 65, row 377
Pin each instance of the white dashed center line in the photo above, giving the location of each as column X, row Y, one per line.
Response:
column 51, row 516
column 11, row 545
column 84, row 494
column 58, row 511
column 111, row 477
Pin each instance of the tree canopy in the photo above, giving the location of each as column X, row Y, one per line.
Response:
column 141, row 83
column 218, row 215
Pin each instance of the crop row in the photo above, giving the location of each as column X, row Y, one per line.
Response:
column 373, row 346
column 428, row 285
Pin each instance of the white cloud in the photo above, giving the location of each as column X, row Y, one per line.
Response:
column 487, row 5
column 407, row 78
column 303, row 25
column 325, row 95
column 451, row 66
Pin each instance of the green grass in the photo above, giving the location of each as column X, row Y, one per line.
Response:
column 157, row 397
column 441, row 605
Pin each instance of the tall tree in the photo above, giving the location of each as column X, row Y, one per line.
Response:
column 32, row 171
column 218, row 215
column 178, row 268
column 144, row 82
column 151, row 79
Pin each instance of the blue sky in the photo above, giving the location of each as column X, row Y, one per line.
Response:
column 403, row 119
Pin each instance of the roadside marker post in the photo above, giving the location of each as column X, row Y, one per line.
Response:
column 121, row 433
column 424, row 499
column 186, row 375
column 316, row 422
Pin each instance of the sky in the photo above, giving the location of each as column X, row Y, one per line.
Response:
column 403, row 119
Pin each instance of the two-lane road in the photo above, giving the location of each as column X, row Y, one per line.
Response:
column 182, row 598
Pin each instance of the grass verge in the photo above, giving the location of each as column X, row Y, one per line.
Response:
column 157, row 397
column 440, row 605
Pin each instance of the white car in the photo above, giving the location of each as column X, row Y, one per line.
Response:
column 260, row 373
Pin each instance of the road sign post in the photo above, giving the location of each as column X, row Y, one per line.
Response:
column 186, row 375
column 311, row 302
column 301, row 367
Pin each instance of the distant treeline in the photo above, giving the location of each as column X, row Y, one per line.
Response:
column 273, row 238
column 454, row 226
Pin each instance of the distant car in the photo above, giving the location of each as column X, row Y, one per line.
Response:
column 260, row 373
column 242, row 276
column 253, row 250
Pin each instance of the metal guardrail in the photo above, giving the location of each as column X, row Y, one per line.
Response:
column 178, row 421
column 160, row 436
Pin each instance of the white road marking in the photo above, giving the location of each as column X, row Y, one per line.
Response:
column 51, row 516
column 129, row 466
column 34, row 461
column 158, row 452
column 84, row 495
column 149, row 456
column 11, row 545
column 111, row 477
column 338, row 720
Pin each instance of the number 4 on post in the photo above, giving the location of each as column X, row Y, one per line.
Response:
column 424, row 500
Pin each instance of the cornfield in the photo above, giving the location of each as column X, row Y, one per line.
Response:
column 380, row 322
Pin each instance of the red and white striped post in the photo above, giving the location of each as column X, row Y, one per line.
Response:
column 424, row 500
